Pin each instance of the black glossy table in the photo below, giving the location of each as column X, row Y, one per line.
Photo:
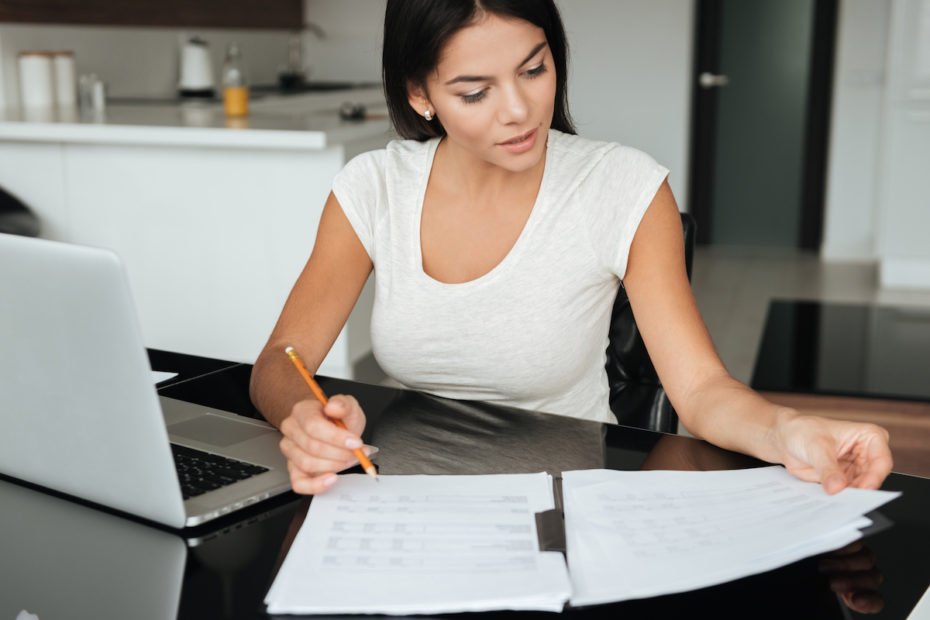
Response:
column 845, row 350
column 64, row 558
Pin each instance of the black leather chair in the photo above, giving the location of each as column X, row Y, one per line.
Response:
column 636, row 395
column 15, row 217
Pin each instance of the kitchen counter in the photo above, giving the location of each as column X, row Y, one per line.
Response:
column 308, row 121
column 213, row 217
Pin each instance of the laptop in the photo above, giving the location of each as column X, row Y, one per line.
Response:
column 80, row 410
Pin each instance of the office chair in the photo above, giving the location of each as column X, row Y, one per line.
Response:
column 637, row 397
column 15, row 217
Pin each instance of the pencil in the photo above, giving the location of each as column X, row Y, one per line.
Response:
column 318, row 392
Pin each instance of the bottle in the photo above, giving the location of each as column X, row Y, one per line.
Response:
column 235, row 87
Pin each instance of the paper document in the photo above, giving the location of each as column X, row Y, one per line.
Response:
column 442, row 544
column 656, row 527
column 423, row 544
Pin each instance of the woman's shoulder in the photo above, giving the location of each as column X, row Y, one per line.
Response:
column 374, row 164
column 605, row 153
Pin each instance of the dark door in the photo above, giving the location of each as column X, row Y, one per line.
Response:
column 762, row 80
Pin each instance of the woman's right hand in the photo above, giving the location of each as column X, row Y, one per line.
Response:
column 315, row 447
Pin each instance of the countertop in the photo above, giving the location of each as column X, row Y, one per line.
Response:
column 308, row 121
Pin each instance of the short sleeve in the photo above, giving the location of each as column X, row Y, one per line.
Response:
column 360, row 189
column 616, row 194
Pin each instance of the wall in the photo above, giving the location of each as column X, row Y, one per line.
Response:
column 351, row 46
column 136, row 61
column 904, row 198
column 877, row 192
column 630, row 76
column 855, row 132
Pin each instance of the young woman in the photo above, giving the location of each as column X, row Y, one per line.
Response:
column 498, row 240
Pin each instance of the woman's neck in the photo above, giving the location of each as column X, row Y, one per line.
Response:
column 478, row 180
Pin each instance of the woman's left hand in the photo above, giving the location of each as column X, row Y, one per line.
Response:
column 835, row 453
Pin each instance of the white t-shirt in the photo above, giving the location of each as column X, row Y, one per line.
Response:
column 532, row 332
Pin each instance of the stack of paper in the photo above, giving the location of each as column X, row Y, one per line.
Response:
column 655, row 527
column 440, row 544
column 423, row 544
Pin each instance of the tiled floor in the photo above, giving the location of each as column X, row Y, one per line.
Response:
column 733, row 287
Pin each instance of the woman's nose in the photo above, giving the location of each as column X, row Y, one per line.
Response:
column 514, row 106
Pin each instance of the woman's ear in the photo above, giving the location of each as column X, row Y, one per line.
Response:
column 418, row 100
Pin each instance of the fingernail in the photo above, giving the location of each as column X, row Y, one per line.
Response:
column 329, row 480
column 352, row 443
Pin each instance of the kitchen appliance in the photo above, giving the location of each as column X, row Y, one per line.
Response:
column 36, row 79
column 195, row 75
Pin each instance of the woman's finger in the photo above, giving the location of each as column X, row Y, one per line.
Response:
column 311, row 485
column 856, row 581
column 309, row 463
column 323, row 429
column 347, row 409
column 321, row 449
column 865, row 601
column 859, row 561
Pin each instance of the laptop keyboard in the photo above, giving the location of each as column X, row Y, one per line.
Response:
column 200, row 471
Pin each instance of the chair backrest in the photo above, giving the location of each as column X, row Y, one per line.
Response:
column 637, row 397
column 15, row 217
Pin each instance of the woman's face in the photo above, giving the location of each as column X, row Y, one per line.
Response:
column 494, row 91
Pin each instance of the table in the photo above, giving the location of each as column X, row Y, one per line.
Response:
column 81, row 561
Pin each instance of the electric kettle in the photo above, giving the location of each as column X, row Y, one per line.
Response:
column 195, row 72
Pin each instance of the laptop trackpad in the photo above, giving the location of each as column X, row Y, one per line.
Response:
column 217, row 431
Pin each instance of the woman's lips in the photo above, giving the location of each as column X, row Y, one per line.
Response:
column 521, row 143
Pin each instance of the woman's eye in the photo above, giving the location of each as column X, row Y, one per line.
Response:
column 536, row 71
column 473, row 97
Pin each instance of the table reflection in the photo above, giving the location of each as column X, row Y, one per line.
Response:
column 420, row 434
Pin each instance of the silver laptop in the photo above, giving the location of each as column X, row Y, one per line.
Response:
column 79, row 407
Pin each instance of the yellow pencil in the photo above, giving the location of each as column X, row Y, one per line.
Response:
column 318, row 392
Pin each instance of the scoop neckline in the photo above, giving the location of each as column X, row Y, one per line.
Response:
column 515, row 250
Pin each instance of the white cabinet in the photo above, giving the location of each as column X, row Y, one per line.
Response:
column 212, row 238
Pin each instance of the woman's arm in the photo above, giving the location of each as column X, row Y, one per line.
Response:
column 712, row 404
column 315, row 312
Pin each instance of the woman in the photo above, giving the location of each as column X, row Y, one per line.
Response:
column 498, row 239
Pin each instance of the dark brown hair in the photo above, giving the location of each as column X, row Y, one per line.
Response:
column 415, row 32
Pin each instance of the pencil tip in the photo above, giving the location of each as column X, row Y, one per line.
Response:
column 288, row 349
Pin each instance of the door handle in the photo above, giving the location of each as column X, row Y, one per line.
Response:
column 712, row 80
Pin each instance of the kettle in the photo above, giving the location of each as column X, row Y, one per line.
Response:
column 195, row 71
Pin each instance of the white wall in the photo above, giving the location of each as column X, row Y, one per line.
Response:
column 136, row 61
column 904, row 198
column 351, row 47
column 856, row 130
column 878, row 190
column 629, row 79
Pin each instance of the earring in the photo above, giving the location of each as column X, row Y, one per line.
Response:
column 428, row 115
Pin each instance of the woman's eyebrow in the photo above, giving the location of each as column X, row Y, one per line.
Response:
column 483, row 78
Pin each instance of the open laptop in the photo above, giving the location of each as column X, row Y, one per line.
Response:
column 80, row 411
